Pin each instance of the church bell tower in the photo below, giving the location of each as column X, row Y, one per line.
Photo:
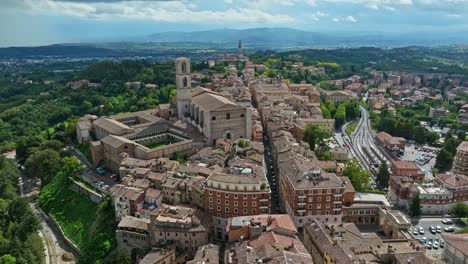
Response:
column 184, row 87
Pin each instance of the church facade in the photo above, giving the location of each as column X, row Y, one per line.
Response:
column 212, row 114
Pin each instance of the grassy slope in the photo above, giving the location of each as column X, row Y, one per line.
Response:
column 90, row 226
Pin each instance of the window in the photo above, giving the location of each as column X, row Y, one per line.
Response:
column 244, row 211
column 211, row 199
column 226, row 194
column 245, row 196
column 327, row 205
column 311, row 199
column 227, row 209
column 235, row 210
column 236, row 203
column 227, row 202
column 218, row 201
column 185, row 82
column 319, row 199
column 328, row 198
column 228, row 116
column 254, row 196
column 254, row 203
column 242, row 115
column 219, row 208
column 254, row 211
column 213, row 118
column 235, row 195
column 244, row 204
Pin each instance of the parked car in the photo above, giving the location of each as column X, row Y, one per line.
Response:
column 447, row 221
column 442, row 243
column 449, row 229
column 439, row 229
column 415, row 231
column 432, row 229
column 421, row 230
column 435, row 245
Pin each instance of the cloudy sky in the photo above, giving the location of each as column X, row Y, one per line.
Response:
column 35, row 22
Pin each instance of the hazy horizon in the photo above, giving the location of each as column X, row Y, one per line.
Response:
column 44, row 22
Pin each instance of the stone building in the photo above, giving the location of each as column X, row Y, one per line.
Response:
column 132, row 235
column 460, row 161
column 178, row 226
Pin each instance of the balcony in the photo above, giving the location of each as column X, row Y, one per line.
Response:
column 263, row 206
column 263, row 200
column 301, row 204
column 301, row 196
column 337, row 202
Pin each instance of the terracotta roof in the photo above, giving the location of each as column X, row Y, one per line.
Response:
column 453, row 180
column 458, row 241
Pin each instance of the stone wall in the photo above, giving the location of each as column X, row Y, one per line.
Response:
column 84, row 190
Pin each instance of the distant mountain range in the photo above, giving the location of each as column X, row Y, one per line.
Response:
column 254, row 36
column 222, row 40
column 280, row 37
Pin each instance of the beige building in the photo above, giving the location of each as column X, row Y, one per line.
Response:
column 218, row 117
column 178, row 226
column 132, row 235
column 460, row 161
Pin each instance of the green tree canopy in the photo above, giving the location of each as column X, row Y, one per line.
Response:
column 43, row 164
column 415, row 207
column 383, row 176
column 358, row 176
column 315, row 135
column 459, row 210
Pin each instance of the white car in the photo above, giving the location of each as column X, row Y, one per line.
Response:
column 435, row 245
column 439, row 229
column 421, row 230
column 429, row 244
column 415, row 232
column 447, row 221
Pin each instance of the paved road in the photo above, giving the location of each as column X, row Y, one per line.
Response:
column 426, row 223
column 55, row 248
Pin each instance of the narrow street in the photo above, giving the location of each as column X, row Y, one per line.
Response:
column 55, row 249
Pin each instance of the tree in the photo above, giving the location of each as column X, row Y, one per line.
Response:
column 43, row 164
column 415, row 206
column 383, row 176
column 315, row 135
column 444, row 160
column 358, row 176
column 7, row 259
column 459, row 210
column 71, row 166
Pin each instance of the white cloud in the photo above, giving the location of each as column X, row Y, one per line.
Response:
column 160, row 11
column 317, row 15
column 350, row 19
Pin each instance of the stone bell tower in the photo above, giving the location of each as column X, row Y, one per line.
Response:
column 184, row 87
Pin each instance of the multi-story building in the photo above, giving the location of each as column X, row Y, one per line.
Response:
column 457, row 184
column 434, row 200
column 238, row 191
column 407, row 169
column 126, row 200
column 402, row 190
column 392, row 144
column 345, row 243
column 460, row 161
column 132, row 235
column 438, row 113
column 339, row 96
column 178, row 226
column 308, row 193
column 456, row 248
column 246, row 227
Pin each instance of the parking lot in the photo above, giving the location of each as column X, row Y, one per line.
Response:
column 430, row 235
column 424, row 156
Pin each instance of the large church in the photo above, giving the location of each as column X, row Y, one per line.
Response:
column 212, row 114
column 203, row 116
